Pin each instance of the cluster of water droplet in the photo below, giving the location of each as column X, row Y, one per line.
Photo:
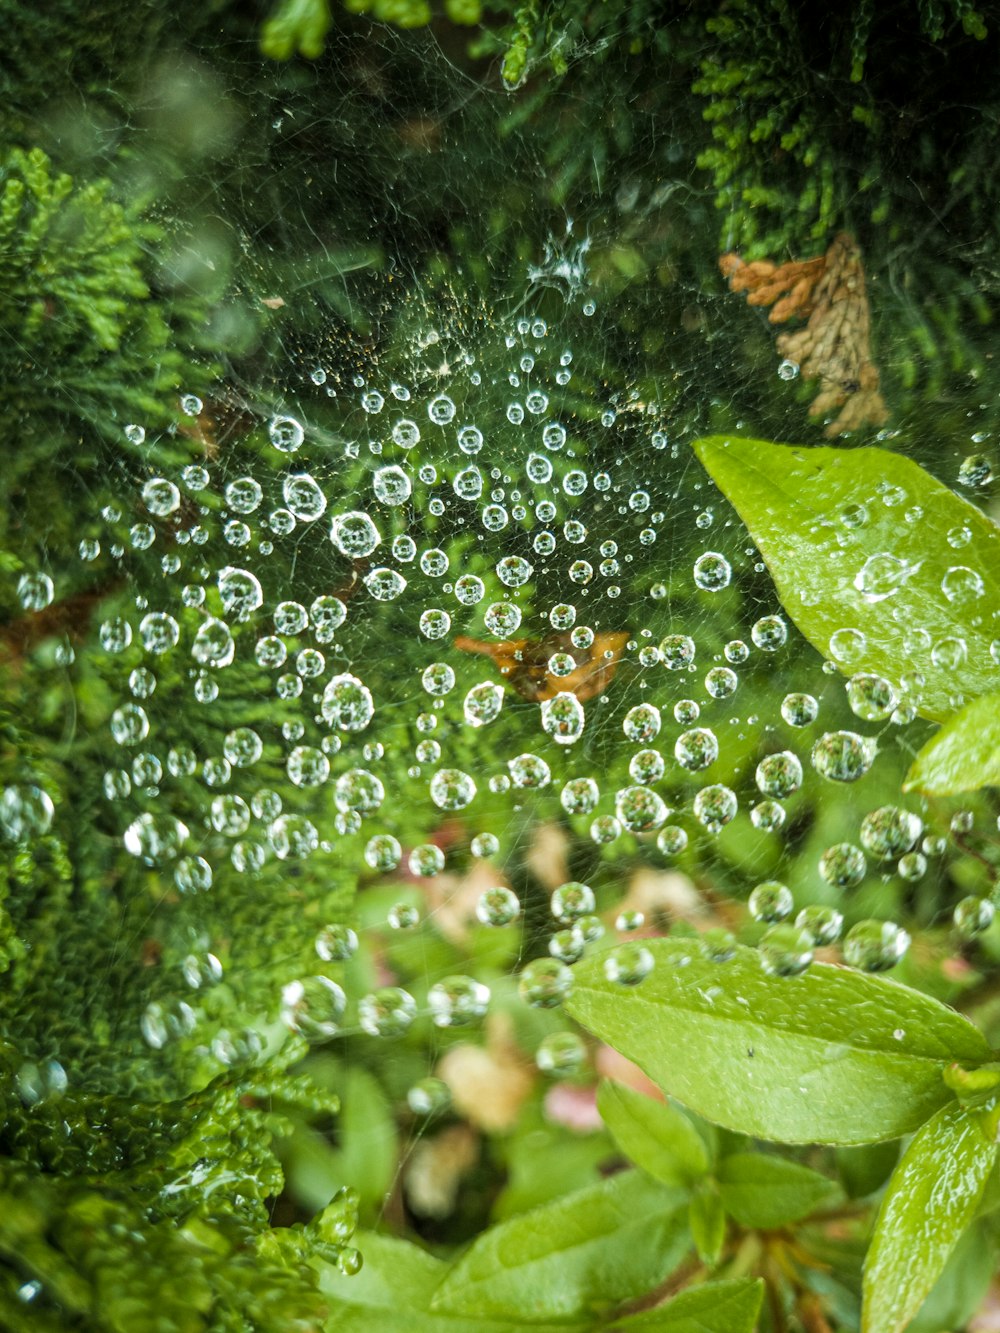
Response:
column 473, row 617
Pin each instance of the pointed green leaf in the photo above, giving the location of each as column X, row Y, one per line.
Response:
column 930, row 1199
column 717, row 1307
column 959, row 1291
column 581, row 1255
column 393, row 1291
column 656, row 1136
column 763, row 1191
column 831, row 1056
column 964, row 755
column 827, row 520
column 707, row 1220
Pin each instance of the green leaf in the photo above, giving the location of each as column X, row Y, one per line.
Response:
column 368, row 1150
column 959, row 1291
column 393, row 1291
column 831, row 1056
column 867, row 1167
column 295, row 25
column 930, row 1199
column 581, row 1255
column 657, row 1137
column 544, row 1161
column 707, row 1220
column 718, row 1307
column 964, row 755
column 764, row 1192
column 794, row 501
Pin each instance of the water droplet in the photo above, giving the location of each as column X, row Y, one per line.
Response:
column 336, row 943
column 677, row 652
column 671, row 840
column 779, row 774
column 628, row 964
column 712, row 572
column 843, row 756
column 715, row 806
column 875, row 946
column 384, row 584
column 563, row 718
column 160, row 496
column 313, row 1006
column 354, row 534
column 357, row 789
column 391, row 485
column 25, row 812
column 696, row 749
column 35, row 591
column 457, row 1001
column 843, row 865
column 847, row 645
column 975, row 471
column 451, row 789
column 387, row 1012
column 560, row 1054
column 769, row 633
column 513, row 570
column 768, row 816
column 882, row 575
column 721, row 682
column 286, row 434
column 498, row 907
column 770, row 902
column 428, row 1096
column 441, row 410
column 646, row 767
column 240, row 591
column 890, row 831
column 786, row 950
column 571, row 901
column 823, row 924
column 961, row 584
column 503, row 619
column 155, row 839
column 972, row 916
column 544, row 983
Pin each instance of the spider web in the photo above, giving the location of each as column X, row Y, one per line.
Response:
column 433, row 598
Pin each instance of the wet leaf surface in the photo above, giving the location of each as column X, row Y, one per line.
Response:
column 867, row 540
column 929, row 1201
column 964, row 755
column 831, row 1056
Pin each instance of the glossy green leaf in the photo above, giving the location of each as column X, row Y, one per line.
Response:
column 763, row 1191
column 393, row 1291
column 803, row 506
column 581, row 1255
column 654, row 1135
column 959, row 1291
column 717, row 1307
column 707, row 1220
column 931, row 1198
column 831, row 1056
column 964, row 755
